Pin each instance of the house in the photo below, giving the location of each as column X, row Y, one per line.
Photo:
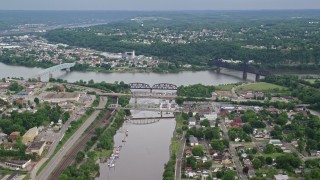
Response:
column 247, row 162
column 13, row 136
column 17, row 164
column 193, row 141
column 211, row 117
column 273, row 110
column 241, row 149
column 188, row 153
column 192, row 121
column 226, row 161
column 280, row 177
column 314, row 153
column 7, row 145
column 30, row 135
column 251, row 173
column 36, row 147
column 275, row 142
column 237, row 122
column 3, row 137
column 217, row 158
column 204, row 159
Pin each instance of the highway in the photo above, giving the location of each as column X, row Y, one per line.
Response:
column 54, row 162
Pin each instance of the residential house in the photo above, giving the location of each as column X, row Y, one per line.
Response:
column 13, row 136
column 192, row 121
column 275, row 142
column 193, row 141
column 280, row 177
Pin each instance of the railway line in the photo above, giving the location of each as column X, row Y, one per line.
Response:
column 81, row 144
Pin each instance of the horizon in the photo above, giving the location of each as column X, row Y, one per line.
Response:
column 159, row 5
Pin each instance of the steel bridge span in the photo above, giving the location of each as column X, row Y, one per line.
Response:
column 244, row 67
column 49, row 71
column 159, row 86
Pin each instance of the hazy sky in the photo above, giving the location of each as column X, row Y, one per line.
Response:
column 156, row 4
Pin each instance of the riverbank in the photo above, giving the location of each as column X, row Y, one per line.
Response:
column 176, row 141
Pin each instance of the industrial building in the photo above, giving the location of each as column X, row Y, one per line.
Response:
column 30, row 135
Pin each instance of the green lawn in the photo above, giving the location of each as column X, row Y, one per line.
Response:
column 273, row 155
column 225, row 87
column 260, row 86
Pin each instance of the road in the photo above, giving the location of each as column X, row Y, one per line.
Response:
column 233, row 152
column 53, row 163
column 180, row 157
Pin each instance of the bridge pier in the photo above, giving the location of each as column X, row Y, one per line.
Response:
column 161, row 114
column 244, row 75
column 257, row 77
column 218, row 69
column 150, row 90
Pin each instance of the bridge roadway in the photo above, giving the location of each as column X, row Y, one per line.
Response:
column 141, row 109
column 151, row 96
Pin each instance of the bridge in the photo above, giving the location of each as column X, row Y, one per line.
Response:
column 51, row 70
column 147, row 120
column 244, row 67
column 141, row 108
column 159, row 86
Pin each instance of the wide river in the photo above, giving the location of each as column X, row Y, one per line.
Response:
column 182, row 78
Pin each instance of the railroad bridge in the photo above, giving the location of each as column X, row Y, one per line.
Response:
column 244, row 67
column 49, row 71
column 159, row 86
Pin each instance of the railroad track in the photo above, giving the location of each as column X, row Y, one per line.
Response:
column 81, row 144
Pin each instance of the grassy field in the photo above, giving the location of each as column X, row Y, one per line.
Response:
column 260, row 86
column 273, row 155
column 225, row 87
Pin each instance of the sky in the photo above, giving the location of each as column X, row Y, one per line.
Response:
column 150, row 5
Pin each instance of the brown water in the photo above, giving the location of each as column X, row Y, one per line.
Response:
column 182, row 78
column 143, row 155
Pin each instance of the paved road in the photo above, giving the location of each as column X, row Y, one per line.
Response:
column 45, row 173
column 233, row 152
column 180, row 157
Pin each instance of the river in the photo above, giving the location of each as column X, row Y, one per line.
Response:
column 145, row 150
column 181, row 78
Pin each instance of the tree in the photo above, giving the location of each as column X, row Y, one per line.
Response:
column 229, row 175
column 218, row 145
column 269, row 160
column 205, row 123
column 197, row 116
column 208, row 164
column 245, row 170
column 197, row 150
column 36, row 100
column 256, row 163
column 80, row 156
column 247, row 128
column 269, row 149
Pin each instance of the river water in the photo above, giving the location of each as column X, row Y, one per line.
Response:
column 145, row 150
column 181, row 78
